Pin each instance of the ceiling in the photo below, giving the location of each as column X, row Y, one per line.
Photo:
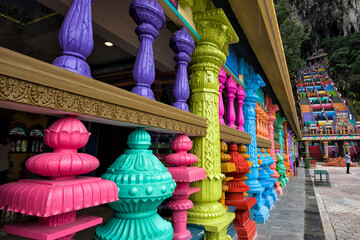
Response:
column 40, row 28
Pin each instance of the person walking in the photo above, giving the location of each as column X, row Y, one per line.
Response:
column 347, row 160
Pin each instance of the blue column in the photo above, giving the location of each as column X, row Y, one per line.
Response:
column 253, row 81
column 264, row 179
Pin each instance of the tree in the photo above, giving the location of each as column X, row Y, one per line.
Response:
column 293, row 34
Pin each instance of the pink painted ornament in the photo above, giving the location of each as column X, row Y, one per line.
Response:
column 240, row 96
column 222, row 80
column 182, row 175
column 230, row 90
column 56, row 200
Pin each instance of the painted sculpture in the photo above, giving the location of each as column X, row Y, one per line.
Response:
column 150, row 18
column 222, row 80
column 143, row 184
column 183, row 45
column 235, row 196
column 76, row 38
column 240, row 96
column 259, row 212
column 226, row 167
column 204, row 69
column 182, row 175
column 55, row 200
column 272, row 109
column 230, row 97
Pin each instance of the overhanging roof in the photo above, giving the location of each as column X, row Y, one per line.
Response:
column 258, row 21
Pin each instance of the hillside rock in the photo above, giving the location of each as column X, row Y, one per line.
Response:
column 327, row 18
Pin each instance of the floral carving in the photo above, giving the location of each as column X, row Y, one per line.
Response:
column 19, row 91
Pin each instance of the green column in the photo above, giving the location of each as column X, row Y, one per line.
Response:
column 280, row 159
column 210, row 53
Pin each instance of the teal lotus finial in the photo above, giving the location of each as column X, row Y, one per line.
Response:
column 143, row 183
column 139, row 139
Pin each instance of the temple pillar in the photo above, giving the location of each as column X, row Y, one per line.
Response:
column 280, row 158
column 259, row 212
column 326, row 149
column 210, row 52
column 272, row 109
column 286, row 146
column 307, row 149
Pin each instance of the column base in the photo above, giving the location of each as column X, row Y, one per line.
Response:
column 216, row 227
column 247, row 231
column 182, row 236
column 260, row 215
column 269, row 201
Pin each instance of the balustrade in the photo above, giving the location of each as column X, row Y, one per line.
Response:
column 150, row 18
column 183, row 45
column 76, row 38
column 182, row 175
column 55, row 200
column 143, row 183
column 235, row 196
column 230, row 89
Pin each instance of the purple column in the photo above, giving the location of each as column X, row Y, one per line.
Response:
column 240, row 95
column 230, row 90
column 76, row 38
column 183, row 45
column 149, row 15
column 222, row 80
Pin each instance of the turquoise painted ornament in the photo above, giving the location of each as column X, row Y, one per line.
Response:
column 143, row 184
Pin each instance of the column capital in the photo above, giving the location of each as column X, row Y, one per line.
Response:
column 253, row 82
column 214, row 26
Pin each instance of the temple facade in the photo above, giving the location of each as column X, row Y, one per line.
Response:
column 188, row 103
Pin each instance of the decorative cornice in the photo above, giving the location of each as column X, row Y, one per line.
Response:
column 277, row 145
column 261, row 142
column 229, row 134
column 28, row 81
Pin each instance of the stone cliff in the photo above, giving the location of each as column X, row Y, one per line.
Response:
column 327, row 18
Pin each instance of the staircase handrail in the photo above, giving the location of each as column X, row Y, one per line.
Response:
column 312, row 112
column 322, row 107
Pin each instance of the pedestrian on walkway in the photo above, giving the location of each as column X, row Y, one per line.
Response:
column 347, row 160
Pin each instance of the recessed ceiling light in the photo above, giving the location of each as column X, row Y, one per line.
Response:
column 109, row 44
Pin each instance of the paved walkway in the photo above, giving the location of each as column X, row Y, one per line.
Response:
column 339, row 205
column 286, row 220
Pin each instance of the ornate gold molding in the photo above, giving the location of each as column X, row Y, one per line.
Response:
column 229, row 134
column 25, row 80
column 277, row 145
column 19, row 91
